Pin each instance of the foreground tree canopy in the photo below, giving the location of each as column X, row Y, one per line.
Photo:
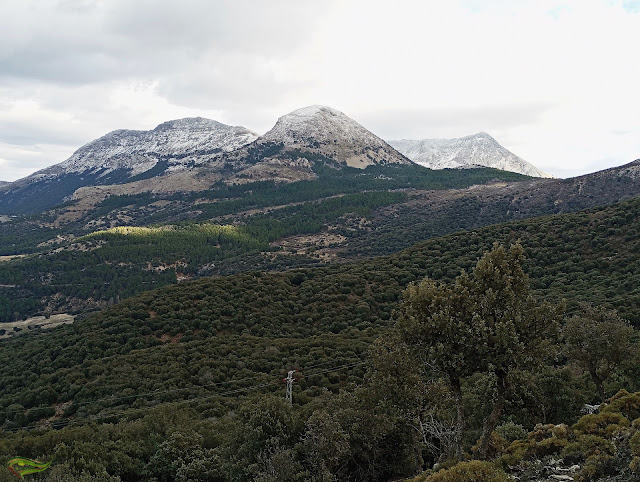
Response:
column 486, row 322
column 599, row 341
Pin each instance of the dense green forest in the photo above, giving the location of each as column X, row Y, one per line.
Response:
column 114, row 264
column 353, row 214
column 25, row 232
column 589, row 256
column 88, row 275
column 196, row 369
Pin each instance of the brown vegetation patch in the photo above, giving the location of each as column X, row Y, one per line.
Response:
column 174, row 340
column 325, row 245
column 35, row 323
column 11, row 257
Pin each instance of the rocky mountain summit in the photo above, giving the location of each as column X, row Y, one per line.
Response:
column 331, row 133
column 191, row 154
column 123, row 156
column 304, row 138
column 178, row 142
column 478, row 150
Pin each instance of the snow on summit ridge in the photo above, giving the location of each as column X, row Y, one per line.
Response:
column 178, row 141
column 330, row 132
column 165, row 155
column 139, row 151
column 478, row 150
column 321, row 124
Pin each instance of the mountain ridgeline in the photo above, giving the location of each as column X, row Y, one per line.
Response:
column 479, row 150
column 189, row 155
column 124, row 156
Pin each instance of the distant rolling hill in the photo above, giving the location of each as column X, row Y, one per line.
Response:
column 343, row 215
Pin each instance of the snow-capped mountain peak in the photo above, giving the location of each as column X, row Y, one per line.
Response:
column 328, row 131
column 319, row 123
column 176, row 141
column 478, row 150
column 122, row 156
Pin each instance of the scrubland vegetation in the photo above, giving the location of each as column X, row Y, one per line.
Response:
column 404, row 362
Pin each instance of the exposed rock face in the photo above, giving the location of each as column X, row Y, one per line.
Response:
column 178, row 141
column 329, row 132
column 479, row 150
column 123, row 156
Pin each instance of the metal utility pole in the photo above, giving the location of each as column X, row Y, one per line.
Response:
column 289, row 393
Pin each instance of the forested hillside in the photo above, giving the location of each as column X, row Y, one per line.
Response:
column 75, row 263
column 85, row 265
column 207, row 345
column 590, row 256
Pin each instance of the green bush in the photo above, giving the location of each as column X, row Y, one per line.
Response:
column 511, row 431
column 517, row 451
column 543, row 440
column 625, row 403
column 634, row 444
column 472, row 471
column 497, row 445
column 586, row 446
column 605, row 424
column 550, row 446
column 597, row 467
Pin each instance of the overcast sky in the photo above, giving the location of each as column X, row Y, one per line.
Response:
column 556, row 82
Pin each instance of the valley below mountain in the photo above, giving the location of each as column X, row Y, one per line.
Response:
column 214, row 348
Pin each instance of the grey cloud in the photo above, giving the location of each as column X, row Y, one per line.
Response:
column 79, row 42
column 236, row 83
column 198, row 24
column 23, row 161
column 21, row 133
column 448, row 123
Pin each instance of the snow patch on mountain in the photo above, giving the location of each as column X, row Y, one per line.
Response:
column 179, row 142
column 331, row 133
column 479, row 150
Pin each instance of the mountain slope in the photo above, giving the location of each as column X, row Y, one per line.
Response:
column 123, row 156
column 331, row 133
column 431, row 214
column 179, row 141
column 301, row 145
column 191, row 154
column 465, row 152
column 309, row 136
column 357, row 213
column 231, row 325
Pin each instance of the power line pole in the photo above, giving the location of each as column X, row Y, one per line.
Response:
column 289, row 393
